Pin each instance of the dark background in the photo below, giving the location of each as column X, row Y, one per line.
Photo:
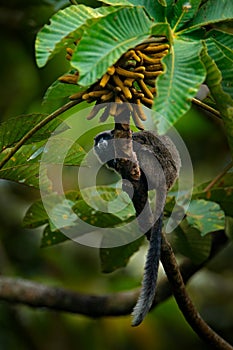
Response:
column 22, row 87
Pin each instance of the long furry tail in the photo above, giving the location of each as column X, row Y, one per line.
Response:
column 147, row 293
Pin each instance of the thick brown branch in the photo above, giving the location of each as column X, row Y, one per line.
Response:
column 185, row 303
column 36, row 295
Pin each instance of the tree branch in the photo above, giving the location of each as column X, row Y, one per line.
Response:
column 219, row 177
column 16, row 290
column 185, row 303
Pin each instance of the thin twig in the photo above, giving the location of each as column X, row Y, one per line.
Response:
column 185, row 303
column 37, row 127
column 74, row 2
column 219, row 176
column 206, row 107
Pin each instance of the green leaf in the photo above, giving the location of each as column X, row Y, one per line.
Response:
column 62, row 215
column 169, row 13
column 59, row 90
column 65, row 28
column 50, row 238
column 188, row 242
column 213, row 11
column 110, row 199
column 184, row 72
column 221, row 193
column 224, row 62
column 153, row 8
column 162, row 29
column 226, row 39
column 94, row 217
column 12, row 130
column 23, row 167
column 229, row 227
column 184, row 11
column 205, row 216
column 163, row 2
column 56, row 152
column 107, row 39
column 117, row 257
column 117, row 2
column 60, row 210
column 223, row 100
column 35, row 216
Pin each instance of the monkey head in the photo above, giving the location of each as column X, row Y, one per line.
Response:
column 157, row 156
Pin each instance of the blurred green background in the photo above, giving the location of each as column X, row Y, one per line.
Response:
column 74, row 266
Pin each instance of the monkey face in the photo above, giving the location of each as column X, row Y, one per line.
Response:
column 157, row 156
column 104, row 148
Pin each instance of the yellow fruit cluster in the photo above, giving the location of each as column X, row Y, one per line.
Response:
column 129, row 82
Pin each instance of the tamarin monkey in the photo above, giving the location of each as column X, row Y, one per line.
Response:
column 159, row 163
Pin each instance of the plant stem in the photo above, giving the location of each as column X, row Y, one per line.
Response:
column 219, row 176
column 206, row 107
column 37, row 127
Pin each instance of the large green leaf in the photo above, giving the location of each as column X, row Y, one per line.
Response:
column 107, row 39
column 65, row 28
column 169, row 12
column 221, row 193
column 58, row 91
column 229, row 227
column 36, row 215
column 153, row 8
column 226, row 39
column 187, row 241
column 23, row 167
column 62, row 213
column 184, row 72
column 184, row 11
column 223, row 58
column 212, row 11
column 63, row 151
column 162, row 29
column 223, row 100
column 117, row 257
column 12, row 130
column 50, row 237
column 94, row 217
column 110, row 199
column 118, row 2
column 205, row 216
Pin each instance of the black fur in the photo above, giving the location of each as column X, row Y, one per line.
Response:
column 160, row 163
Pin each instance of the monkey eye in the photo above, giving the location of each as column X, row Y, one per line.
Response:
column 102, row 144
